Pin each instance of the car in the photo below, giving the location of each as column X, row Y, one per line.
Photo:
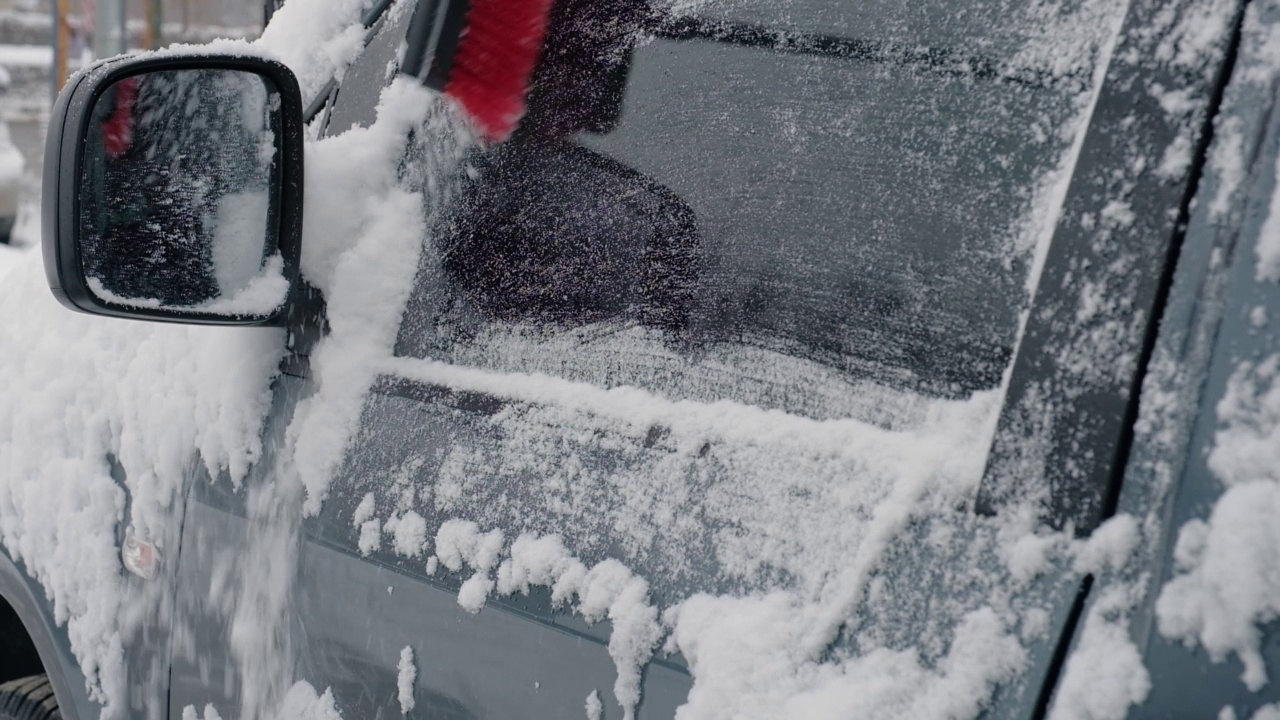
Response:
column 804, row 360
column 11, row 167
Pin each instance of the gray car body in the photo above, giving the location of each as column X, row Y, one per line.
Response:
column 521, row 658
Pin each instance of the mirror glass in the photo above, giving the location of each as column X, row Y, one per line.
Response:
column 178, row 193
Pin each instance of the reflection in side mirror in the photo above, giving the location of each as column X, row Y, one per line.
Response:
column 175, row 193
column 185, row 174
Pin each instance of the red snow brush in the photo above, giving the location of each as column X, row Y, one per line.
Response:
column 481, row 53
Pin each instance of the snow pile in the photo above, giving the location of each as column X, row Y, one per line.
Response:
column 1109, row 547
column 1229, row 581
column 1261, row 40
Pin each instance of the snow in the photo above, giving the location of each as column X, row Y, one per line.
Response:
column 802, row 515
column 1248, row 448
column 370, row 537
column 372, row 228
column 1229, row 580
column 239, row 234
column 368, row 525
column 303, row 703
column 460, row 543
column 26, row 55
column 406, row 674
column 1104, row 676
column 1258, row 316
column 409, row 533
column 316, row 39
column 1228, row 164
column 607, row 590
column 147, row 394
column 210, row 713
column 1268, row 247
column 743, row 652
column 259, row 297
column 364, row 511
column 1109, row 547
column 11, row 161
column 594, row 707
column 1230, row 584
column 474, row 592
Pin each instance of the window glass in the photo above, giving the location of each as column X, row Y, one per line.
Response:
column 821, row 231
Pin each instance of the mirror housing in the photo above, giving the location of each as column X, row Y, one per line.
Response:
column 67, row 247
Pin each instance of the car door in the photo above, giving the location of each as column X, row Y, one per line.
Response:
column 696, row 330
column 601, row 249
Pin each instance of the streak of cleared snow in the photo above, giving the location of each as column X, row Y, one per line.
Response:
column 406, row 675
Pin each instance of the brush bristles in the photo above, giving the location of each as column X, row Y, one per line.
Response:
column 496, row 56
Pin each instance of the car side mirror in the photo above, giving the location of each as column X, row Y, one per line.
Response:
column 173, row 190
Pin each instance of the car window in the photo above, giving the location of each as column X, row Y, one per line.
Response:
column 815, row 231
column 720, row 309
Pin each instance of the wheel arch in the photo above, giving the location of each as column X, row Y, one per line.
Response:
column 24, row 603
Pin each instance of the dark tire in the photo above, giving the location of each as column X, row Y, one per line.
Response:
column 28, row 698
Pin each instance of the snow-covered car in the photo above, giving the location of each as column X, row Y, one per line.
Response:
column 814, row 359
column 11, row 167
